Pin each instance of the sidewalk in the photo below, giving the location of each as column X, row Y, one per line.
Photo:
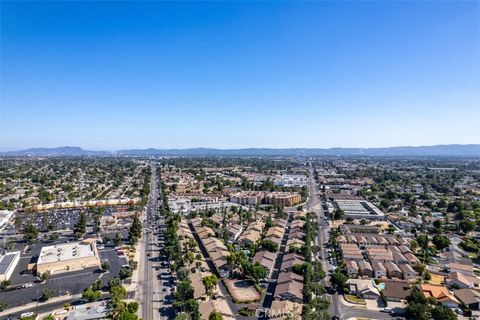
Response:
column 134, row 283
column 32, row 305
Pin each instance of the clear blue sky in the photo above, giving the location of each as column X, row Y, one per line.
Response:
column 239, row 74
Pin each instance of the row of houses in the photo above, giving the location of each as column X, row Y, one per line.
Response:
column 289, row 286
column 372, row 239
column 252, row 234
column 398, row 290
column 215, row 247
column 199, row 270
column 379, row 262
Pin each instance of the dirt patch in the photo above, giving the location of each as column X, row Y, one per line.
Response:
column 242, row 291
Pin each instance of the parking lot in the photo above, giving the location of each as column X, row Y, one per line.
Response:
column 25, row 287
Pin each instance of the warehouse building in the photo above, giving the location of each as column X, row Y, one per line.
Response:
column 68, row 257
column 358, row 209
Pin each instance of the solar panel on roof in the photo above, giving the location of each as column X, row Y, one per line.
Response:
column 5, row 263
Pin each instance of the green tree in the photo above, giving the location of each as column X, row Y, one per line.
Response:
column 339, row 279
column 269, row 245
column 338, row 214
column 210, row 282
column 215, row 315
column 46, row 294
column 4, row 284
column 105, row 265
column 440, row 242
column 443, row 313
column 118, row 240
column 466, row 225
column 43, row 276
column 258, row 272
column 135, row 230
column 125, row 272
column 30, row 233
column 91, row 295
column 117, row 293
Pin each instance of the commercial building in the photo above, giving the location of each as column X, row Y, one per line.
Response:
column 359, row 209
column 247, row 197
column 292, row 180
column 8, row 262
column 285, row 199
column 68, row 257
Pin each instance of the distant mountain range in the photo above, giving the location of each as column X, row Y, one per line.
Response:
column 60, row 151
column 454, row 150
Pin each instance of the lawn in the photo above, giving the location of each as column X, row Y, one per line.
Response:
column 354, row 299
column 242, row 291
column 437, row 279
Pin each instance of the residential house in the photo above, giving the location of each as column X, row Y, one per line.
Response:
column 249, row 237
column 466, row 269
column 363, row 288
column 379, row 270
column 285, row 309
column 352, row 268
column 292, row 291
column 412, row 259
column 393, row 271
column 219, row 259
column 266, row 259
column 234, row 230
column 288, row 277
column 365, row 268
column 441, row 294
column 276, row 232
column 407, row 271
column 468, row 297
column 196, row 280
column 396, row 290
column 288, row 265
column 461, row 281
column 399, row 258
column 297, row 243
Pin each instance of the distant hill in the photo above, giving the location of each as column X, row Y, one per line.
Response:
column 438, row 150
column 60, row 151
column 452, row 150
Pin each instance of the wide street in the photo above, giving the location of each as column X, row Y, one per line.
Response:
column 154, row 280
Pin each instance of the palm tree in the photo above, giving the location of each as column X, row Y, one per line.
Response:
column 231, row 261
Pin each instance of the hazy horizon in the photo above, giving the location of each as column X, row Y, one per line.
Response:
column 106, row 149
column 111, row 76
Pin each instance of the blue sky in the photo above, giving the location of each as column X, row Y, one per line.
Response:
column 239, row 74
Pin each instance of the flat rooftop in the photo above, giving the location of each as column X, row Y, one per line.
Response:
column 7, row 260
column 65, row 252
column 358, row 207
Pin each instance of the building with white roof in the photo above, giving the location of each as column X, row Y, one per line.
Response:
column 359, row 209
column 68, row 257
column 8, row 262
